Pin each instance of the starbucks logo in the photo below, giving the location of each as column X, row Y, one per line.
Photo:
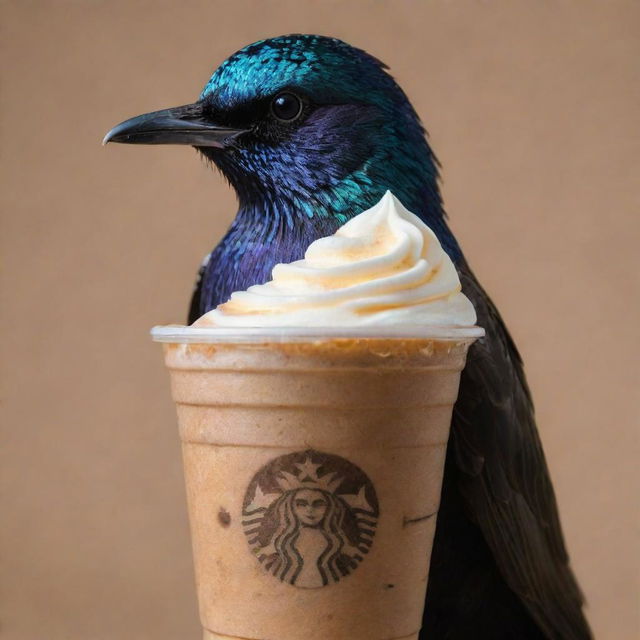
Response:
column 310, row 517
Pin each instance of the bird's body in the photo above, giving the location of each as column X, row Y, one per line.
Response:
column 499, row 568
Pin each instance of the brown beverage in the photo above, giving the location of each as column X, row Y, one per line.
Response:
column 313, row 469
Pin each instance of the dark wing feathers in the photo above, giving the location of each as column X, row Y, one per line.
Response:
column 504, row 480
column 195, row 306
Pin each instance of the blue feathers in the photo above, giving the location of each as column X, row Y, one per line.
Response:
column 326, row 67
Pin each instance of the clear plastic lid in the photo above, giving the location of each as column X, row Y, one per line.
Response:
column 180, row 334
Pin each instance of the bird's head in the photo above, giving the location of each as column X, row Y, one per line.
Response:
column 307, row 122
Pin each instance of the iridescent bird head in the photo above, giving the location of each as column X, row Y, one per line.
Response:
column 307, row 122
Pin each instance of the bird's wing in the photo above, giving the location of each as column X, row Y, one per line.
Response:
column 195, row 307
column 504, row 480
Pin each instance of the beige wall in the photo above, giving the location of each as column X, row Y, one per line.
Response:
column 530, row 106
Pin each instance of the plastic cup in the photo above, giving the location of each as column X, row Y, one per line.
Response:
column 313, row 462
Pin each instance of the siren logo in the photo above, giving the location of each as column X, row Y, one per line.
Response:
column 310, row 517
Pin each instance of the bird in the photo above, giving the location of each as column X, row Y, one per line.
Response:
column 310, row 131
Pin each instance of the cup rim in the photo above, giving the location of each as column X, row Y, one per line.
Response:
column 181, row 334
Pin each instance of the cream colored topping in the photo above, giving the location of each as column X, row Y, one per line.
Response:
column 385, row 266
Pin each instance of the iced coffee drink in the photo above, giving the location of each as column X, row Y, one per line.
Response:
column 314, row 414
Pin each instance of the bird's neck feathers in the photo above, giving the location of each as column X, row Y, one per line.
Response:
column 314, row 194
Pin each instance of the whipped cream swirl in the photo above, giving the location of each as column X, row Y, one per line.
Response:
column 383, row 267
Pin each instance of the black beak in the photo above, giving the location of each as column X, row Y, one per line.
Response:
column 180, row 125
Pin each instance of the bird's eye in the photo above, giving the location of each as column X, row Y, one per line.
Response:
column 286, row 106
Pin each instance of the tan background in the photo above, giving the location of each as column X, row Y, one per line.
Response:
column 531, row 109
